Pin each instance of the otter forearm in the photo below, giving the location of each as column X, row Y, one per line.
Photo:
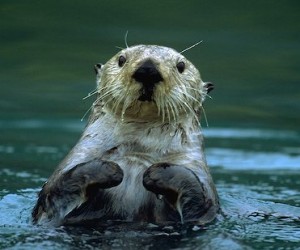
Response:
column 57, row 199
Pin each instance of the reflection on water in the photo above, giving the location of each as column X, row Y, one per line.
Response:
column 239, row 159
column 257, row 178
column 247, row 217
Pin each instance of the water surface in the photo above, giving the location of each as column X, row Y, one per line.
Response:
column 258, row 187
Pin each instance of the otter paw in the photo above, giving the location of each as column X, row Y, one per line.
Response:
column 180, row 188
column 94, row 174
column 66, row 194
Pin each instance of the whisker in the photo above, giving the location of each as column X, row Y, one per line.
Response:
column 205, row 117
column 158, row 107
column 172, row 109
column 160, row 103
column 163, row 111
column 197, row 118
column 176, row 111
column 188, row 87
column 109, row 92
column 110, row 100
column 184, row 100
column 194, row 45
column 126, row 35
column 123, row 96
column 173, row 106
column 207, row 95
column 193, row 112
column 194, row 99
column 178, row 100
column 200, row 92
column 104, row 87
column 126, row 104
column 185, row 93
column 117, row 103
column 85, row 114
column 168, row 111
column 95, row 91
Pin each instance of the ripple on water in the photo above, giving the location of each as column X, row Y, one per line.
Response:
column 238, row 133
column 241, row 159
column 240, row 154
column 247, row 216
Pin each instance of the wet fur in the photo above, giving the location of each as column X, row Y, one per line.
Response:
column 136, row 140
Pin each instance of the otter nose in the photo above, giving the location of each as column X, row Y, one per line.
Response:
column 147, row 74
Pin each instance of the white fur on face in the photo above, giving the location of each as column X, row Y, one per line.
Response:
column 180, row 94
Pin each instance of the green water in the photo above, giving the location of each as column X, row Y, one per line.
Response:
column 250, row 51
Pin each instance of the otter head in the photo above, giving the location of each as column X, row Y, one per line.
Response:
column 151, row 83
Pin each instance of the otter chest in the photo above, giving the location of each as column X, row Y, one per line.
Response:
column 130, row 197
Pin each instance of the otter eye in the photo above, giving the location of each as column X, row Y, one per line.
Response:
column 180, row 67
column 121, row 61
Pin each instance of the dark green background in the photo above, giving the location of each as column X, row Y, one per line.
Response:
column 250, row 51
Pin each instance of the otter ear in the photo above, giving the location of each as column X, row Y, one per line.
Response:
column 97, row 68
column 208, row 86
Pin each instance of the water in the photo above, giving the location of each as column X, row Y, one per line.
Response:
column 250, row 51
column 259, row 192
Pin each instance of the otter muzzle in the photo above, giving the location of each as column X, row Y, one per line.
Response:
column 148, row 75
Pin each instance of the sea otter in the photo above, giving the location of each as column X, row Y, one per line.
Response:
column 140, row 157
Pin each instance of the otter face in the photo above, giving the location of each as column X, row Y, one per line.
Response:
column 151, row 83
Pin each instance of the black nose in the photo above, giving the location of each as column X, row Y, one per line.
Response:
column 147, row 73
